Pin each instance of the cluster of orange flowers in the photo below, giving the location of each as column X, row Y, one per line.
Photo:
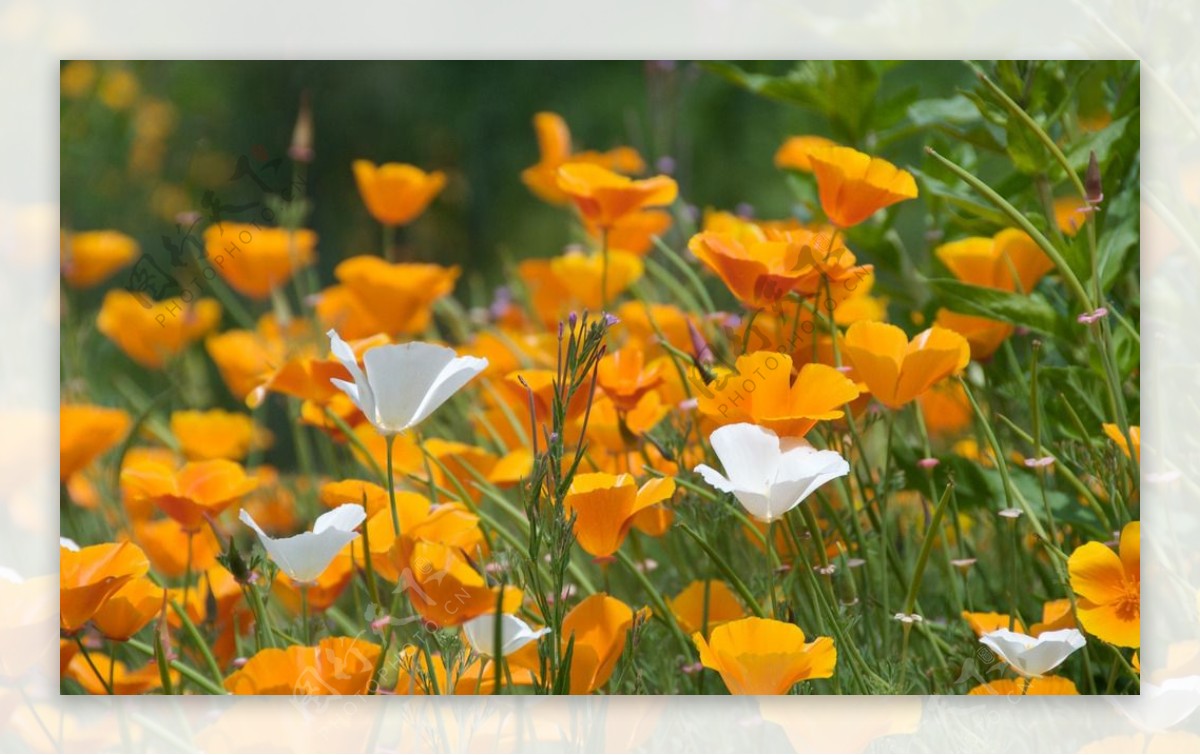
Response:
column 814, row 346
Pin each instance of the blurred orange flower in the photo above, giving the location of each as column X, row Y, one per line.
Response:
column 336, row 666
column 84, row 433
column 854, row 186
column 1045, row 685
column 216, row 434
column 255, row 260
column 395, row 193
column 136, row 604
column 1116, row 436
column 765, row 657
column 398, row 297
column 165, row 542
column 125, row 681
column 604, row 197
column 898, row 370
column 197, row 490
column 90, row 257
column 689, row 606
column 150, row 335
column 795, row 153
column 554, row 144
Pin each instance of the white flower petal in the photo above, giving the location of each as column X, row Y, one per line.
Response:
column 345, row 518
column 453, row 377
column 305, row 556
column 362, row 395
column 410, row 380
column 1034, row 656
column 514, row 634
column 749, row 453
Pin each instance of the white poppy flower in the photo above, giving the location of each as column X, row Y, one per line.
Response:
column 1034, row 656
column 403, row 383
column 769, row 475
column 303, row 557
column 514, row 634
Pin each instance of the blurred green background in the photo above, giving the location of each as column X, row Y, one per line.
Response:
column 143, row 141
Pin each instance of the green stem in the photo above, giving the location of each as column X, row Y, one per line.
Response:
column 190, row 673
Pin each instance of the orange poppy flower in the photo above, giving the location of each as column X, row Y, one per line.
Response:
column 125, row 681
column 554, row 144
column 399, row 297
column 604, row 197
column 765, row 657
column 1070, row 213
column 644, row 322
column 625, row 377
column 1056, row 614
column 604, row 506
column 189, row 494
column 762, row 392
column 370, row 496
column 90, row 257
column 1108, row 588
column 395, row 193
column 136, row 604
column 854, row 186
column 442, row 584
column 254, row 260
column 322, row 594
column 216, row 434
column 85, row 432
column 1116, row 436
column 599, row 626
column 477, row 677
column 580, row 275
column 90, row 576
column 151, row 335
column 744, row 229
column 634, row 232
column 983, row 622
column 411, row 510
column 898, row 370
column 1045, row 685
column 246, row 358
column 337, row 308
column 689, row 606
column 945, row 409
column 336, row 666
column 795, row 153
column 165, row 544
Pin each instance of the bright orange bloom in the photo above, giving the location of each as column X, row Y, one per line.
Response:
column 624, row 376
column 1056, row 614
column 411, row 509
column 442, row 584
column 554, row 144
column 136, row 604
column 945, row 408
column 854, row 186
column 688, row 606
column 599, row 625
column 983, row 622
column 91, row 575
column 398, row 297
column 246, row 358
column 796, row 152
column 478, row 677
column 604, row 506
column 762, row 392
column 1108, row 588
column 323, row 593
column 644, row 321
column 151, row 335
column 1010, row 261
column 370, row 496
column 634, row 232
column 580, row 274
column 897, row 370
column 84, row 433
column 604, row 197
column 216, row 434
column 125, row 681
column 254, row 260
column 744, row 229
column 1135, row 434
column 765, row 657
column 1070, row 214
column 1045, row 685
column 89, row 258
column 193, row 492
column 165, row 543
column 336, row 666
column 395, row 193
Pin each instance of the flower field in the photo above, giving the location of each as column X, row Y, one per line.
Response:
column 882, row 439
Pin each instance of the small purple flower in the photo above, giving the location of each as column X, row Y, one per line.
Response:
column 665, row 164
column 611, row 319
column 744, row 210
column 928, row 463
